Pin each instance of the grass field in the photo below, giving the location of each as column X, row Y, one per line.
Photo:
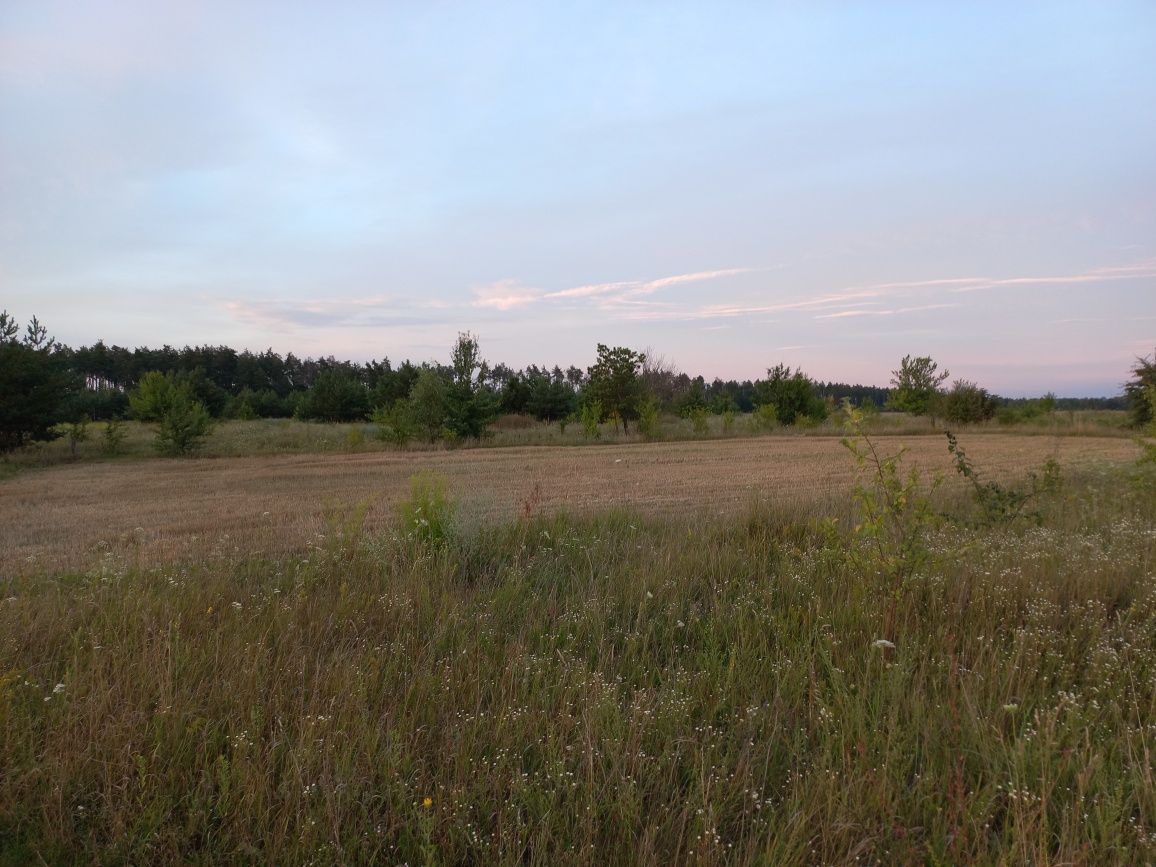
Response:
column 636, row 654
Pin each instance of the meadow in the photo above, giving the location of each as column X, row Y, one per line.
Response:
column 682, row 652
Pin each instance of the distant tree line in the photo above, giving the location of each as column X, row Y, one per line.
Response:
column 185, row 391
column 245, row 384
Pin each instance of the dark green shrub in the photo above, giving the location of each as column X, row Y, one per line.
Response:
column 183, row 426
column 967, row 403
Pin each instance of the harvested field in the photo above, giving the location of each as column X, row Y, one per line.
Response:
column 77, row 516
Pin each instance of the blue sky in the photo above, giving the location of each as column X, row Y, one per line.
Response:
column 731, row 185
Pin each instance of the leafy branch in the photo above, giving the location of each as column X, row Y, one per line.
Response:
column 998, row 503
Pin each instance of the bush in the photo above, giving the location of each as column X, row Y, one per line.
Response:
column 242, row 406
column 591, row 416
column 112, row 437
column 700, row 421
column 648, row 424
column 394, row 424
column 1008, row 415
column 77, row 434
column 427, row 516
column 183, row 426
column 967, row 403
column 765, row 417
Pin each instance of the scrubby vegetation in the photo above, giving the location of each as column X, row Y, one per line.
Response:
column 555, row 689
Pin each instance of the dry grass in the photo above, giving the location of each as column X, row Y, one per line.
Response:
column 591, row 690
column 144, row 512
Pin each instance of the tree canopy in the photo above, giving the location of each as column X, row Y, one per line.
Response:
column 614, row 382
column 471, row 405
column 36, row 384
column 791, row 393
column 1140, row 391
column 916, row 383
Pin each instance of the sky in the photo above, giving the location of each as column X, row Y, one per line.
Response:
column 829, row 185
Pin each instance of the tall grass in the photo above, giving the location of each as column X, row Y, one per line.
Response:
column 604, row 689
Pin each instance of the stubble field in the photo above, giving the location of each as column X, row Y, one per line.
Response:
column 156, row 511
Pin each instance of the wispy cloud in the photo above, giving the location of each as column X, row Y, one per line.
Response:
column 373, row 311
column 1137, row 271
column 896, row 311
column 508, row 294
column 638, row 301
column 504, row 295
column 868, row 300
column 1084, row 320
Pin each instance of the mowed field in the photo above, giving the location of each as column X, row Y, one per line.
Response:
column 151, row 511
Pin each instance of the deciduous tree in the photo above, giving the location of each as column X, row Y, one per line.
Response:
column 614, row 382
column 426, row 404
column 916, row 383
column 1141, row 392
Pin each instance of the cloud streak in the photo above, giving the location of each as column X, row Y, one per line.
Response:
column 507, row 294
column 633, row 300
column 373, row 311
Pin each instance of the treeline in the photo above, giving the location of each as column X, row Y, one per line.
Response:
column 44, row 385
column 245, row 384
